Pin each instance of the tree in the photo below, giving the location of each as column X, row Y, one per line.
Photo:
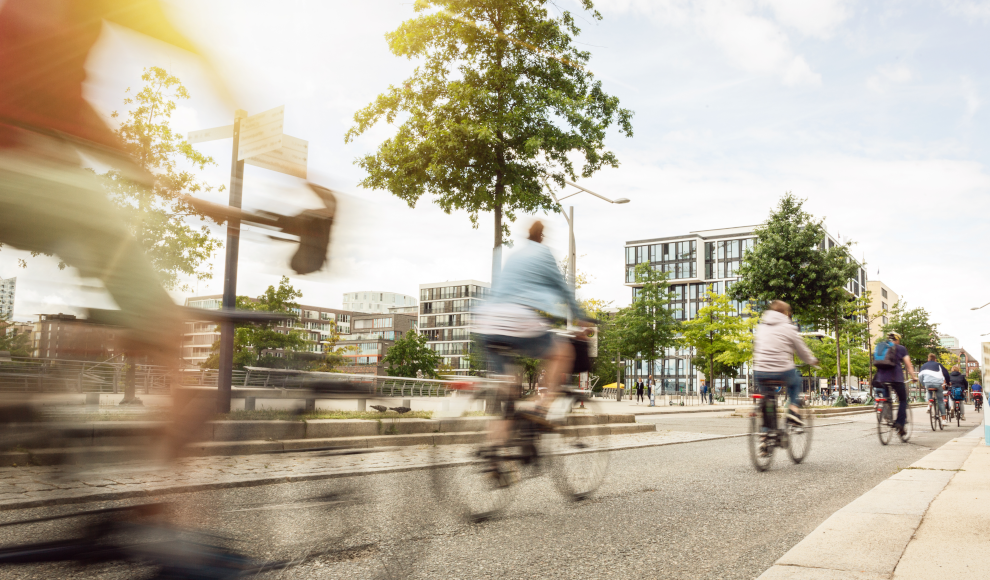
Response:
column 974, row 376
column 502, row 103
column 647, row 326
column 791, row 261
column 919, row 335
column 409, row 354
column 722, row 338
column 159, row 219
column 17, row 344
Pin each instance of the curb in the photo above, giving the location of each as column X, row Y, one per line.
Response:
column 257, row 482
column 883, row 520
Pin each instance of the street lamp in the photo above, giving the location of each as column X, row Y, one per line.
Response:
column 978, row 307
column 569, row 216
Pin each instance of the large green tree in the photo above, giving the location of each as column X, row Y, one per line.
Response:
column 722, row 339
column 409, row 354
column 647, row 327
column 501, row 101
column 792, row 261
column 172, row 234
column 919, row 335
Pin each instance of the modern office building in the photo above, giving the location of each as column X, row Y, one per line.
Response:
column 445, row 318
column 948, row 341
column 370, row 338
column 63, row 336
column 316, row 322
column 882, row 300
column 695, row 262
column 8, row 289
column 377, row 302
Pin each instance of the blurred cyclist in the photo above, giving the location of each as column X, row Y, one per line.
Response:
column 895, row 376
column 775, row 344
column 958, row 385
column 510, row 323
column 935, row 376
column 977, row 395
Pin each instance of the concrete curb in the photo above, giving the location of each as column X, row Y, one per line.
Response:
column 882, row 522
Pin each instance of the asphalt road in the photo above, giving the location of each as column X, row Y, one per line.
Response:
column 695, row 510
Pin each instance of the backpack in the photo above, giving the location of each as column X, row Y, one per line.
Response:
column 957, row 393
column 885, row 355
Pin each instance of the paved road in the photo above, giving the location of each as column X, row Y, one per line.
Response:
column 695, row 510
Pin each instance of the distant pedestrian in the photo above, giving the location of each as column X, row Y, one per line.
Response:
column 704, row 391
column 652, row 386
column 639, row 391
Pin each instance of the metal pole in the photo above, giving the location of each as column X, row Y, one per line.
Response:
column 618, row 375
column 230, row 274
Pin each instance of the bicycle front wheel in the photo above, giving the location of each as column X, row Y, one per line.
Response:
column 883, row 426
column 908, row 426
column 760, row 444
column 579, row 448
column 799, row 437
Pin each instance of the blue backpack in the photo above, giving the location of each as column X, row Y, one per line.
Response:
column 885, row 355
column 957, row 393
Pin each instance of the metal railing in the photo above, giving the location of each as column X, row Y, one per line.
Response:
column 39, row 375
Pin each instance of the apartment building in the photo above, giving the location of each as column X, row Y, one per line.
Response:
column 378, row 302
column 8, row 290
column 882, row 300
column 445, row 318
column 696, row 262
column 948, row 341
column 370, row 338
column 967, row 362
column 63, row 336
column 316, row 322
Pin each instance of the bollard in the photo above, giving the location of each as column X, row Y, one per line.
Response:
column 249, row 403
column 92, row 398
column 407, row 403
column 362, row 405
column 310, row 404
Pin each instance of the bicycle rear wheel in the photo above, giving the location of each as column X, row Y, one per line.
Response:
column 799, row 438
column 579, row 449
column 884, row 427
column 958, row 414
column 760, row 444
column 931, row 416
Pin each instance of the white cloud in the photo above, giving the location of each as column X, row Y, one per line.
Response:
column 752, row 42
column 888, row 74
column 970, row 9
column 817, row 18
column 970, row 97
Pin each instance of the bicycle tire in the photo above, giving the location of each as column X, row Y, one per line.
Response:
column 578, row 450
column 468, row 487
column 799, row 438
column 883, row 427
column 908, row 426
column 931, row 416
column 762, row 458
column 958, row 414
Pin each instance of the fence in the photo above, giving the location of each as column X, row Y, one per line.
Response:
column 67, row 376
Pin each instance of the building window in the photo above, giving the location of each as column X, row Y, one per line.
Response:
column 883, row 292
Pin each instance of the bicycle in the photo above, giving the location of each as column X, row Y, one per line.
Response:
column 933, row 415
column 764, row 434
column 484, row 483
column 957, row 412
column 884, row 411
column 978, row 403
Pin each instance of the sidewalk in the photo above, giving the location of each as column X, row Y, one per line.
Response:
column 627, row 406
column 930, row 520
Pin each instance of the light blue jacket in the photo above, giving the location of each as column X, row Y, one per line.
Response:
column 532, row 278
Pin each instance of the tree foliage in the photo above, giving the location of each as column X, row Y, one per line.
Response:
column 158, row 218
column 647, row 326
column 789, row 263
column 974, row 376
column 722, row 339
column 919, row 335
column 409, row 354
column 17, row 344
column 501, row 102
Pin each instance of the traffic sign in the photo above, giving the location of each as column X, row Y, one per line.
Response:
column 261, row 133
column 290, row 159
column 225, row 132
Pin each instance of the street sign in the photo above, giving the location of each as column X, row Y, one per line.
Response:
column 291, row 159
column 261, row 133
column 225, row 132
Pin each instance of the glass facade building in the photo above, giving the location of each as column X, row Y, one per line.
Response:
column 696, row 263
column 374, row 302
column 445, row 318
column 8, row 290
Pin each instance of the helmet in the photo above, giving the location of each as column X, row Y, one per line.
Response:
column 894, row 336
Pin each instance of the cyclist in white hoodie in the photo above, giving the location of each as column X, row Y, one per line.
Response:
column 774, row 346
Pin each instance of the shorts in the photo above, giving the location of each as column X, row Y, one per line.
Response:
column 502, row 349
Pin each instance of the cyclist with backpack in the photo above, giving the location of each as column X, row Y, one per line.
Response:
column 888, row 357
column 935, row 376
column 957, row 389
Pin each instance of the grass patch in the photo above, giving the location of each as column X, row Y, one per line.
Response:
column 288, row 415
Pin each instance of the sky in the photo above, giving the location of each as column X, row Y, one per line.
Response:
column 874, row 112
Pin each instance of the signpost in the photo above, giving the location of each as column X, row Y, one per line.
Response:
column 259, row 140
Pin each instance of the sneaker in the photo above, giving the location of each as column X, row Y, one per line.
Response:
column 794, row 418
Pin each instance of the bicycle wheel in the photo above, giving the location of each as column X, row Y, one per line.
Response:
column 931, row 416
column 958, row 414
column 579, row 449
column 908, row 426
column 799, row 438
column 883, row 424
column 760, row 444
column 477, row 482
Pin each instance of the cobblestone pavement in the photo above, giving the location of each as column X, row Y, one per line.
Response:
column 22, row 487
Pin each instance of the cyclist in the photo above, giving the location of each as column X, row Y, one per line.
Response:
column 509, row 324
column 895, row 376
column 775, row 343
column 935, row 376
column 958, row 385
column 977, row 395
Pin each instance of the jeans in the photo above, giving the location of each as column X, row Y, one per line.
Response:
column 790, row 378
column 939, row 398
column 902, row 402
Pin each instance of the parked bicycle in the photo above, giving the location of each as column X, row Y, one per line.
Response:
column 933, row 415
column 572, row 451
column 765, row 435
column 884, row 411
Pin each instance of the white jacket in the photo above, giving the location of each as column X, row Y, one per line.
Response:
column 775, row 343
